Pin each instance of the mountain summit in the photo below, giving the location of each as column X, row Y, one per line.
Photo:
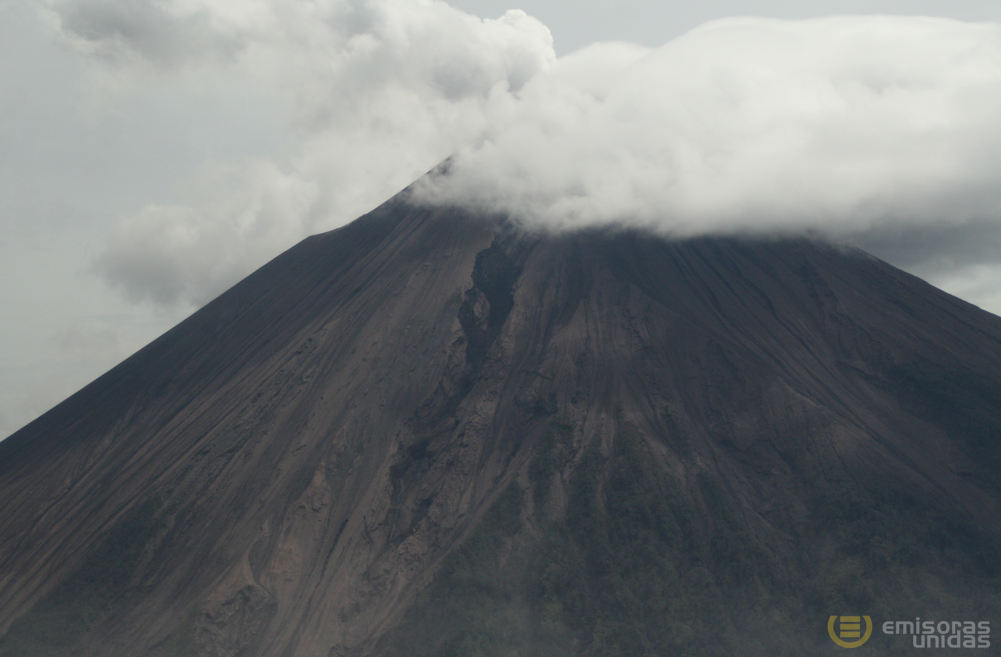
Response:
column 429, row 433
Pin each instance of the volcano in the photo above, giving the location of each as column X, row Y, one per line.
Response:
column 432, row 433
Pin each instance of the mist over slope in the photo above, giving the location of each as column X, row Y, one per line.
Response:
column 432, row 433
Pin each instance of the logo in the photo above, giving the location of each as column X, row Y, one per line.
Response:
column 942, row 634
column 850, row 627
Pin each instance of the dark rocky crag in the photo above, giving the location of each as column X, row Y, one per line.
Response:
column 428, row 434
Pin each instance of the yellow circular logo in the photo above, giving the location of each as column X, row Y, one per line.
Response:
column 850, row 627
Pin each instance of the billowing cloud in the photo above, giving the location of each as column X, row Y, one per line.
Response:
column 876, row 129
column 369, row 96
column 837, row 125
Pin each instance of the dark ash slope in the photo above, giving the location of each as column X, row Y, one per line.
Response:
column 425, row 434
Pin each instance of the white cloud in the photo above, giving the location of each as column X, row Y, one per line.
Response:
column 369, row 96
column 838, row 125
column 850, row 125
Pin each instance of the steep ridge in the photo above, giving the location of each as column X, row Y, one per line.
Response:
column 769, row 431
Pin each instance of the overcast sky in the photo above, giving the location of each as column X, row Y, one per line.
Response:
column 154, row 153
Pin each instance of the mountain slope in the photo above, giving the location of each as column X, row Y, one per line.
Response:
column 429, row 433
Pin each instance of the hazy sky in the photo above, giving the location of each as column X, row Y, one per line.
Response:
column 153, row 153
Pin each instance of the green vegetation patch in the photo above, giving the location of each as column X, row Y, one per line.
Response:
column 624, row 573
column 627, row 573
column 641, row 565
column 870, row 546
column 471, row 609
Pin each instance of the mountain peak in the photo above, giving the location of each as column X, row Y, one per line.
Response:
column 425, row 433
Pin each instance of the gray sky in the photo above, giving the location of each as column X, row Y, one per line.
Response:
column 575, row 25
column 150, row 157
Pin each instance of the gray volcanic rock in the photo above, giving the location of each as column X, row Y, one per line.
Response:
column 429, row 433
